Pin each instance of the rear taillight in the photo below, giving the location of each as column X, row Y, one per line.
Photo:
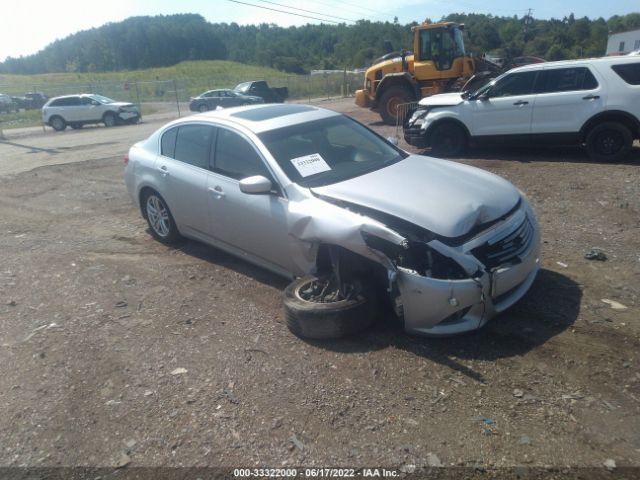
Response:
column 126, row 159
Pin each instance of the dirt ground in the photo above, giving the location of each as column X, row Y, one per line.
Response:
column 118, row 351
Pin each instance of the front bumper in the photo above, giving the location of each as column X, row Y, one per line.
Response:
column 446, row 307
column 128, row 115
column 415, row 132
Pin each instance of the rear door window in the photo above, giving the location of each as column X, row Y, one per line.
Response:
column 193, row 145
column 168, row 143
column 629, row 72
column 567, row 80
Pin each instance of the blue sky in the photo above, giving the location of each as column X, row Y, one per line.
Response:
column 28, row 28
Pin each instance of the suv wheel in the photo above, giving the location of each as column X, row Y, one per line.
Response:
column 609, row 141
column 58, row 123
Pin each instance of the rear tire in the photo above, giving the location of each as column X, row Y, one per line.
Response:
column 389, row 102
column 448, row 140
column 323, row 321
column 161, row 223
column 609, row 142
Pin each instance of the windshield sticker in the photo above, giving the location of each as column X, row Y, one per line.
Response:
column 310, row 164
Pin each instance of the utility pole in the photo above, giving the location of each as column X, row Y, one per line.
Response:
column 528, row 20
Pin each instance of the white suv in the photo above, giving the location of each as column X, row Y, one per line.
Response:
column 591, row 102
column 79, row 110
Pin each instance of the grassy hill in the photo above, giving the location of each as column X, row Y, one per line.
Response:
column 196, row 75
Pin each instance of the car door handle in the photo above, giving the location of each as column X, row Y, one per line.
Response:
column 591, row 97
column 163, row 170
column 521, row 102
column 217, row 191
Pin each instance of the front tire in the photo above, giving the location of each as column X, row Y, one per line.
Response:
column 109, row 120
column 58, row 123
column 203, row 108
column 609, row 142
column 390, row 101
column 448, row 140
column 311, row 319
column 161, row 223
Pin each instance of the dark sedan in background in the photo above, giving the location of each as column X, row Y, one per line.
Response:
column 221, row 98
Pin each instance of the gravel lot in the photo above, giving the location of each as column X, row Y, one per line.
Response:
column 118, row 351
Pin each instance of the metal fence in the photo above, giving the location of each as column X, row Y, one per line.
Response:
column 404, row 111
column 171, row 95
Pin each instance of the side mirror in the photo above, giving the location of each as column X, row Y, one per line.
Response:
column 393, row 140
column 256, row 185
column 95, row 103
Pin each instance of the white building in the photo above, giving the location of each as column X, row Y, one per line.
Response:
column 623, row 43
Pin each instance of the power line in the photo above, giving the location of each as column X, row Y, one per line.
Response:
column 283, row 11
column 359, row 10
column 303, row 10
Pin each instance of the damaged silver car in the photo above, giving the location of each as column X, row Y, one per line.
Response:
column 356, row 222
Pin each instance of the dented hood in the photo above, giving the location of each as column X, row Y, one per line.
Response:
column 441, row 100
column 445, row 197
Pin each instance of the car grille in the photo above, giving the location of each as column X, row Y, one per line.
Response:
column 507, row 250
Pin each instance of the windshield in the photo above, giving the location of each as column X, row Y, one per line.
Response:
column 243, row 87
column 329, row 151
column 102, row 99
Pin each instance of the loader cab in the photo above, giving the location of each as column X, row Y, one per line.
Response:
column 436, row 49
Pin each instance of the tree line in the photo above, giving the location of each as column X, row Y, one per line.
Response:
column 159, row 41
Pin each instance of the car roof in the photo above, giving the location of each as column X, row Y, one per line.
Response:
column 75, row 95
column 577, row 61
column 265, row 117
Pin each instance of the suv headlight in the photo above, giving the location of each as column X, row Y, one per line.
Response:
column 418, row 116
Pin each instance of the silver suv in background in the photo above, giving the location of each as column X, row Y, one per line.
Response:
column 79, row 110
column 591, row 102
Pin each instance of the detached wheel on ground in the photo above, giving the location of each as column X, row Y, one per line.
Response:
column 448, row 140
column 609, row 141
column 314, row 309
column 389, row 102
column 163, row 227
column 58, row 123
column 76, row 126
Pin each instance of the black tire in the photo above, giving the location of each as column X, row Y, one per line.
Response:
column 203, row 108
column 325, row 321
column 158, row 216
column 389, row 102
column 109, row 119
column 76, row 126
column 448, row 140
column 57, row 123
column 609, row 141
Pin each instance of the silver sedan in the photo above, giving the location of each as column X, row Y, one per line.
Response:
column 312, row 194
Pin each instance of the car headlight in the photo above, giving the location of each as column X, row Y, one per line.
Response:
column 418, row 116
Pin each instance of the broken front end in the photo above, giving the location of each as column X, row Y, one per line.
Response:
column 445, row 286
